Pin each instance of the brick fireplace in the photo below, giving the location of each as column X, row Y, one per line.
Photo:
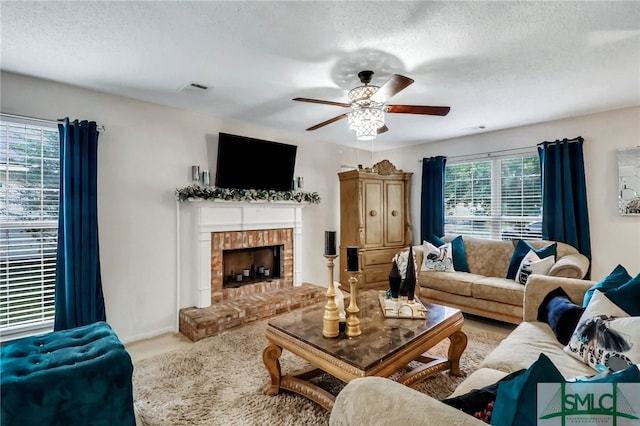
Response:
column 250, row 262
column 213, row 229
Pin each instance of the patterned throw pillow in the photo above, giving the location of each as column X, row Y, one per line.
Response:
column 532, row 264
column 437, row 258
column 459, row 254
column 605, row 330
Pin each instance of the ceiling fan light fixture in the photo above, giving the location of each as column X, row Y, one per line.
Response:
column 368, row 104
column 366, row 121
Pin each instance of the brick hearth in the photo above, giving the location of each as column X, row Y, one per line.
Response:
column 199, row 323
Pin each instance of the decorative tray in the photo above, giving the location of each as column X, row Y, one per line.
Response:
column 402, row 308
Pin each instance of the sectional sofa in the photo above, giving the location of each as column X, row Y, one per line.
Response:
column 375, row 400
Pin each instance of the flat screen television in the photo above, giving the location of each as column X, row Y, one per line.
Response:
column 249, row 163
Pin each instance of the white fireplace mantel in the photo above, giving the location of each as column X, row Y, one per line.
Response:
column 219, row 216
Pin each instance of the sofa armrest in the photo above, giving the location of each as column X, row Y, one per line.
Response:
column 574, row 265
column 538, row 286
column 380, row 401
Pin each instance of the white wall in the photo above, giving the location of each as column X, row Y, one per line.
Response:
column 147, row 150
column 145, row 153
column 614, row 238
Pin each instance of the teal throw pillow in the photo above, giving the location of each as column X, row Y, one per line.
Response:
column 458, row 253
column 516, row 399
column 521, row 250
column 615, row 279
column 627, row 296
column 436, row 241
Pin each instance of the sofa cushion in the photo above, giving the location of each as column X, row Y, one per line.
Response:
column 460, row 263
column 521, row 349
column 478, row 379
column 605, row 330
column 560, row 313
column 616, row 278
column 375, row 400
column 452, row 282
column 627, row 296
column 499, row 290
column 486, row 308
column 521, row 250
column 489, row 258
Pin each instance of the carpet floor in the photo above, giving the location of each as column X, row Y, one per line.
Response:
column 221, row 381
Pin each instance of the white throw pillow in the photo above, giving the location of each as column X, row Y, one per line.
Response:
column 532, row 264
column 437, row 258
column 605, row 330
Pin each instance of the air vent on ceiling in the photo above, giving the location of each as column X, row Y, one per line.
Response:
column 194, row 87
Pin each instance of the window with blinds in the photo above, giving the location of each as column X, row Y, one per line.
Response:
column 29, row 188
column 499, row 198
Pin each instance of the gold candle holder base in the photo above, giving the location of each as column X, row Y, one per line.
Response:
column 331, row 319
column 353, row 323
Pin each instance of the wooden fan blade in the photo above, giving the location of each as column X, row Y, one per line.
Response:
column 418, row 109
column 392, row 86
column 383, row 129
column 329, row 121
column 318, row 101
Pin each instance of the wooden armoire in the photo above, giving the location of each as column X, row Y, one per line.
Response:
column 375, row 217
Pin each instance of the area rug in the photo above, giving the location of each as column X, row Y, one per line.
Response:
column 221, row 381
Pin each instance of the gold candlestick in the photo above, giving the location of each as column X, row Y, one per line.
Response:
column 331, row 319
column 353, row 323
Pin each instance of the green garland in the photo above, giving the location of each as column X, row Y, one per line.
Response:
column 228, row 194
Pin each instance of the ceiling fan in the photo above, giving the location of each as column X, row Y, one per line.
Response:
column 368, row 105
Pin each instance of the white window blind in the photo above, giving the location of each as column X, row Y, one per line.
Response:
column 29, row 189
column 498, row 198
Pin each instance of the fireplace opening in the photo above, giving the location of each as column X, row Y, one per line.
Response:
column 251, row 265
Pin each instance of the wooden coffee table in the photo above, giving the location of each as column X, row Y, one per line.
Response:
column 385, row 346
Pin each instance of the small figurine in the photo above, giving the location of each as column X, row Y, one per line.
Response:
column 395, row 279
column 408, row 285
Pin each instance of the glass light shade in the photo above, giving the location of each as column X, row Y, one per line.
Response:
column 366, row 122
column 362, row 93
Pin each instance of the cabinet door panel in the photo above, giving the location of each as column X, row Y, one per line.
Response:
column 373, row 213
column 394, row 232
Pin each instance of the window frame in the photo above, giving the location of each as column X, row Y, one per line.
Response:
column 495, row 219
column 39, row 226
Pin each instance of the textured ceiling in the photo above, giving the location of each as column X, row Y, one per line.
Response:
column 496, row 64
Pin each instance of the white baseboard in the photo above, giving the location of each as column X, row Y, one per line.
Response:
column 148, row 335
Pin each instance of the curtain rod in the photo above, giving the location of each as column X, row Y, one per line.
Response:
column 100, row 127
column 523, row 149
column 489, row 154
column 572, row 140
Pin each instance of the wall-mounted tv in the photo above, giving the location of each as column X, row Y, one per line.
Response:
column 249, row 163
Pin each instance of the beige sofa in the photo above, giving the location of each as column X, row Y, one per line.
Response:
column 486, row 291
column 381, row 401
